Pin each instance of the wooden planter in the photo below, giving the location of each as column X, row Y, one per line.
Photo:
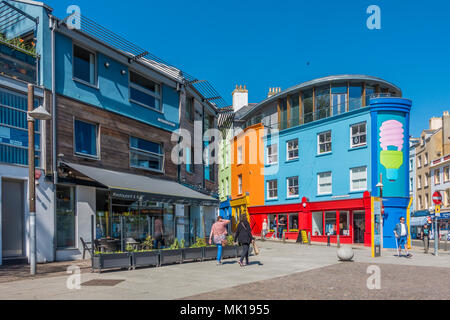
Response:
column 192, row 254
column 146, row 258
column 229, row 252
column 111, row 260
column 170, row 256
column 210, row 252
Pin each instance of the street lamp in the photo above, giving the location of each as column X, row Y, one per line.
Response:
column 33, row 114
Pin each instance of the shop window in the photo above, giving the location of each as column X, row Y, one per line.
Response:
column 272, row 189
column 272, row 222
column 272, row 154
column 344, row 222
column 292, row 187
column 86, row 139
column 144, row 91
column 358, row 179
column 324, row 142
column 101, row 214
column 84, row 65
column 293, row 222
column 292, row 149
column 330, row 223
column 282, row 224
column 358, row 135
column 65, row 217
column 324, row 183
column 317, row 223
column 146, row 154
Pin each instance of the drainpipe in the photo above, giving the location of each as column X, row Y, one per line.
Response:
column 54, row 163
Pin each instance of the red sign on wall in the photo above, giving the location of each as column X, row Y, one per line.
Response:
column 437, row 198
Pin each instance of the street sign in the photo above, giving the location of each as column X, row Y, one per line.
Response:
column 437, row 198
column 437, row 210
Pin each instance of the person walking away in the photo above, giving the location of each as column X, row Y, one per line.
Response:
column 158, row 234
column 401, row 235
column 218, row 235
column 281, row 226
column 245, row 238
column 264, row 229
column 425, row 235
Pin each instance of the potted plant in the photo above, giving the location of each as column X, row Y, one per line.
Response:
column 146, row 256
column 109, row 260
column 194, row 252
column 229, row 250
column 173, row 254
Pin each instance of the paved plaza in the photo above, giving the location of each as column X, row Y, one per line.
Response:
column 281, row 271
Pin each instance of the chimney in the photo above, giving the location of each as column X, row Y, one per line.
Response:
column 240, row 97
column 435, row 123
column 273, row 91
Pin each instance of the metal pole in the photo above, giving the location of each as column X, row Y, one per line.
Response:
column 121, row 233
column 309, row 238
column 31, row 182
column 436, row 236
column 338, row 241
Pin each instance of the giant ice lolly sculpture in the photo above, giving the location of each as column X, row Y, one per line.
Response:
column 391, row 138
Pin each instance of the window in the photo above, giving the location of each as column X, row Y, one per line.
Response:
column 226, row 186
column 84, row 65
column 358, row 135
column 358, row 179
column 324, row 142
column 324, row 183
column 86, row 139
column 317, row 223
column 411, row 184
column 355, row 94
column 146, row 154
column 447, row 197
column 307, row 104
column 446, row 174
column 344, row 222
column 330, row 223
column 420, row 202
column 293, row 222
column 370, row 93
column 411, row 165
column 212, row 172
column 425, row 162
column 283, row 114
column 427, row 200
column 144, row 91
column 190, row 163
column 190, row 108
column 419, row 161
column 239, row 155
column 272, row 189
column 292, row 149
column 294, row 114
column 322, row 101
column 427, row 177
column 65, row 217
column 419, row 182
column 272, row 154
column 240, row 184
column 437, row 176
column 339, row 99
column 292, row 187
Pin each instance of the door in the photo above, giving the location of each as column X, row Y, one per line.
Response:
column 12, row 218
column 359, row 226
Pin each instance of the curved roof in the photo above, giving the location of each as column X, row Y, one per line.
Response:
column 320, row 81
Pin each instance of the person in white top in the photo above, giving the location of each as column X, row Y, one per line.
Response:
column 401, row 235
column 264, row 229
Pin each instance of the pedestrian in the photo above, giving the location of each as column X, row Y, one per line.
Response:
column 401, row 236
column 218, row 235
column 158, row 234
column 244, row 237
column 281, row 225
column 264, row 229
column 425, row 235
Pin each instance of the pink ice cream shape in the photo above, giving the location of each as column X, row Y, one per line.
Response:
column 391, row 133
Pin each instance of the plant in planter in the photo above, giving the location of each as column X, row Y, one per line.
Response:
column 194, row 252
column 172, row 254
column 229, row 250
column 108, row 260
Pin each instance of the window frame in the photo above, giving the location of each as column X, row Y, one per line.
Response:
column 330, row 142
column 145, row 91
column 240, row 184
column 287, row 150
column 437, row 177
column 146, row 152
column 97, row 140
column 268, row 156
column 239, row 155
column 318, row 183
column 351, row 179
column 74, row 78
column 352, row 146
column 446, row 175
column 268, row 189
column 287, row 187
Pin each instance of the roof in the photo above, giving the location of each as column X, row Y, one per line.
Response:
column 244, row 110
column 35, row 3
column 158, row 188
column 315, row 82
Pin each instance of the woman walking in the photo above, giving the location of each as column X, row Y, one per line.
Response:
column 218, row 234
column 244, row 237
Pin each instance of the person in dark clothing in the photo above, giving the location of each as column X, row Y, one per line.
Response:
column 244, row 237
column 425, row 235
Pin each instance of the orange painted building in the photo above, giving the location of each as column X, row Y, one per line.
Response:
column 247, row 172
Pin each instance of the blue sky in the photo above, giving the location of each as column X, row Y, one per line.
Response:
column 266, row 44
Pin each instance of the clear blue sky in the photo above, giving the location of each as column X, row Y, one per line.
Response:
column 265, row 44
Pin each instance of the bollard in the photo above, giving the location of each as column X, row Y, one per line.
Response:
column 284, row 236
column 309, row 238
column 328, row 240
column 338, row 241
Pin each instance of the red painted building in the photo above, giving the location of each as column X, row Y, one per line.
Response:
column 350, row 218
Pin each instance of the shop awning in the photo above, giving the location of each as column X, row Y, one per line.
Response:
column 134, row 187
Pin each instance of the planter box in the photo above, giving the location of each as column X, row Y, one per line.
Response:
column 239, row 250
column 192, row 254
column 149, row 258
column 111, row 260
column 170, row 256
column 210, row 252
column 229, row 252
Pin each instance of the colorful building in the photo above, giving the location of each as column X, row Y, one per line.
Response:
column 327, row 144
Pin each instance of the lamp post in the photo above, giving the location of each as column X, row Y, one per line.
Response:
column 33, row 114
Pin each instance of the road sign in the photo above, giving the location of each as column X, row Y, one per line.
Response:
column 437, row 198
column 437, row 210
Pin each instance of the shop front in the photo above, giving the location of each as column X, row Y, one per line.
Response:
column 128, row 208
column 349, row 218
